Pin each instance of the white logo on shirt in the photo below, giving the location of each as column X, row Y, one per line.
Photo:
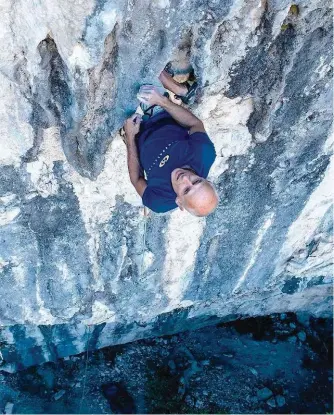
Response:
column 164, row 161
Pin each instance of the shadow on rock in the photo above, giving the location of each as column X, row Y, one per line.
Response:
column 119, row 400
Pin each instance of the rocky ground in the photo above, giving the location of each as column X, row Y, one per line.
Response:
column 276, row 364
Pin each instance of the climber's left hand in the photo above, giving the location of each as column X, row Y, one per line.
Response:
column 132, row 126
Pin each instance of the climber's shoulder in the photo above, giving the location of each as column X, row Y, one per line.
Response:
column 158, row 199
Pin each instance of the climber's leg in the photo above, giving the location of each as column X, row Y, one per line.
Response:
column 185, row 92
column 169, row 83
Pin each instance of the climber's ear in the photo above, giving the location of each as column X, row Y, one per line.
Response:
column 179, row 203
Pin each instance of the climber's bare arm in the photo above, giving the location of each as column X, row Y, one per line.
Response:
column 148, row 94
column 131, row 128
column 182, row 115
column 135, row 171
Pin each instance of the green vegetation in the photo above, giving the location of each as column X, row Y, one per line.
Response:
column 285, row 26
column 294, row 9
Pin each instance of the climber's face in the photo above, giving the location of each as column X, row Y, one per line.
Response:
column 194, row 193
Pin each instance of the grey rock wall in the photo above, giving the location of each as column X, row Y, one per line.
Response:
column 80, row 265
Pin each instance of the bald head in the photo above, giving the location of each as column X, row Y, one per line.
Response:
column 203, row 201
column 194, row 193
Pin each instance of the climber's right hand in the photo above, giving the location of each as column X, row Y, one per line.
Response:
column 150, row 95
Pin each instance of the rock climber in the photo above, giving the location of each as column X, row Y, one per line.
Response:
column 173, row 149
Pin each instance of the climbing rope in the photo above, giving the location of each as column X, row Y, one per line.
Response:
column 86, row 366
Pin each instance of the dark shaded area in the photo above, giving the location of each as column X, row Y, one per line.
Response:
column 274, row 364
column 12, row 180
column 270, row 58
column 51, row 99
column 118, row 398
column 291, row 286
column 110, row 353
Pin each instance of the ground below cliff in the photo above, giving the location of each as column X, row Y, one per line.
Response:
column 276, row 364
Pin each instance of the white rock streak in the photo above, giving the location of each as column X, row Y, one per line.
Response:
column 182, row 241
column 226, row 123
column 304, row 228
column 16, row 135
column 97, row 198
column 267, row 223
column 8, row 216
column 100, row 314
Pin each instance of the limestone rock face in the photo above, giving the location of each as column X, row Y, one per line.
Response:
column 80, row 264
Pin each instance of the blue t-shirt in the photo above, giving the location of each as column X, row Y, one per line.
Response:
column 163, row 146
